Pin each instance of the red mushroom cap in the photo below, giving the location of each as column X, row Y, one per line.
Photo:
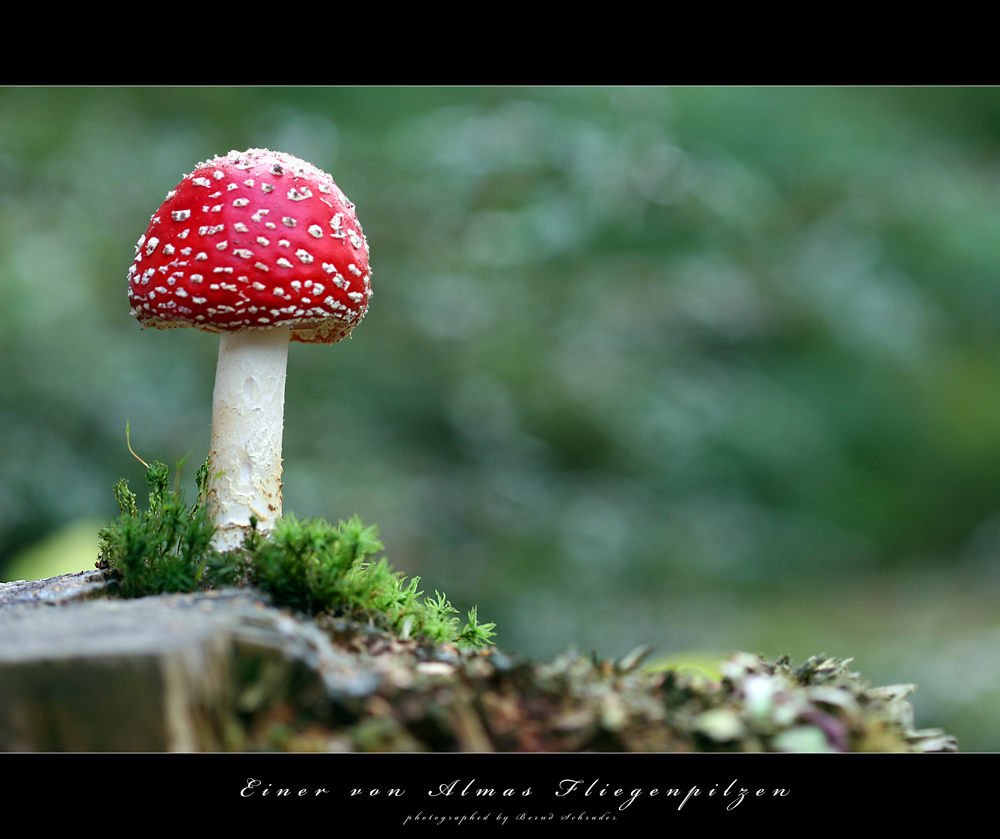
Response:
column 253, row 240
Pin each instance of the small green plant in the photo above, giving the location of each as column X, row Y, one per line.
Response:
column 308, row 565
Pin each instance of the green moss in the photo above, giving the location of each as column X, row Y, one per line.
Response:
column 305, row 564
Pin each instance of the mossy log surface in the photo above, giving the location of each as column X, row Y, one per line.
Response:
column 224, row 671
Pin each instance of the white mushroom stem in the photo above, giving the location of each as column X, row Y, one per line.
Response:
column 247, row 417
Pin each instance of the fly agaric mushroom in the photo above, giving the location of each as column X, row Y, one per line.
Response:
column 262, row 248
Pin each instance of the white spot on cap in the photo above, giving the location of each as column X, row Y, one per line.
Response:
column 241, row 227
column 241, row 202
column 222, row 246
column 199, row 300
column 201, row 181
column 316, row 230
column 151, row 245
column 299, row 195
column 288, row 221
column 196, row 278
column 201, row 256
column 261, row 266
column 257, row 216
column 267, row 187
column 284, row 263
column 354, row 269
column 180, row 215
column 243, row 252
column 263, row 242
column 304, row 256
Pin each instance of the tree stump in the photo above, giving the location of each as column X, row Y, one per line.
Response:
column 221, row 670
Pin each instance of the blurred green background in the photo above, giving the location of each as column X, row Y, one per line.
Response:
column 706, row 368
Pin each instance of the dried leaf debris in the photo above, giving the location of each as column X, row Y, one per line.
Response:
column 443, row 698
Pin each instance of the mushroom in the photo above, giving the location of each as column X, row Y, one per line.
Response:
column 262, row 248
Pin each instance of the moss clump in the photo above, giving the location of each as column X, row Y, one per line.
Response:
column 308, row 565
column 167, row 548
